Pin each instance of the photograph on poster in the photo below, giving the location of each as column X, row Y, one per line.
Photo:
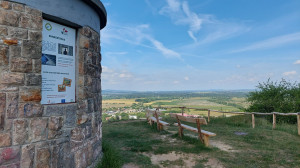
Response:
column 48, row 59
column 61, row 88
column 48, row 46
column 67, row 82
column 65, row 49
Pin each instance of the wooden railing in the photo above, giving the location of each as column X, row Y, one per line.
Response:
column 244, row 113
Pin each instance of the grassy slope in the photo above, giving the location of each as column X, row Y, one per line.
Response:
column 261, row 147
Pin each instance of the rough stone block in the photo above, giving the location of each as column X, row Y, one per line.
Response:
column 13, row 165
column 5, row 139
column 91, row 45
column 30, row 94
column 5, row 5
column 80, row 81
column 12, row 78
column 9, row 155
column 88, row 81
column 82, row 105
column 55, row 125
column 38, row 129
column 54, row 110
column 90, row 70
column 3, row 55
column 18, row 33
column 95, row 58
column 21, row 65
column 35, row 36
column 9, row 18
column 90, row 105
column 27, row 110
column 33, row 79
column 20, row 133
column 8, row 88
column 32, row 11
column 81, row 158
column 32, row 49
column 24, row 21
column 88, row 57
column 37, row 65
column 27, row 158
column 12, row 105
column 77, row 134
column 86, row 31
column 18, row 7
column 31, row 22
column 3, row 31
column 84, row 42
column 81, row 67
column 14, row 51
column 95, row 37
column 70, row 118
column 2, row 103
column 43, row 158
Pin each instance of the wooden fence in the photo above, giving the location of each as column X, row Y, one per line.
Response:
column 244, row 113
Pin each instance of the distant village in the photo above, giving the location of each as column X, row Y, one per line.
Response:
column 126, row 113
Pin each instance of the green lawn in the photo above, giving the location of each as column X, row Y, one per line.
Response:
column 137, row 143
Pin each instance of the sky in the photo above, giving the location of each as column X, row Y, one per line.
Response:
column 173, row 45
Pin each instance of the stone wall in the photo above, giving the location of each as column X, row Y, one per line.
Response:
column 35, row 135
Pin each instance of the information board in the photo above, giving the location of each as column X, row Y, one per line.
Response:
column 58, row 63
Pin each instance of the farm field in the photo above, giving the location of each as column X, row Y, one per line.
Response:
column 237, row 144
column 207, row 100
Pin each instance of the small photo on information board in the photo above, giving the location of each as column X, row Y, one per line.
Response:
column 58, row 63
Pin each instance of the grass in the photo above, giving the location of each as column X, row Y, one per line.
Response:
column 137, row 142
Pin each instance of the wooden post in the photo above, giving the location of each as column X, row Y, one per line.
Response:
column 253, row 121
column 274, row 121
column 298, row 120
column 180, row 129
column 208, row 115
column 199, row 131
column 182, row 111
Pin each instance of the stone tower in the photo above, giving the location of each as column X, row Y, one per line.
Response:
column 50, row 83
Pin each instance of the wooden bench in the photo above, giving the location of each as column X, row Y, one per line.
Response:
column 153, row 116
column 202, row 134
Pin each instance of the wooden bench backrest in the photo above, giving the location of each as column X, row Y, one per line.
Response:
column 188, row 119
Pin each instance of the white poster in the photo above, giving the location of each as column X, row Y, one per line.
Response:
column 58, row 63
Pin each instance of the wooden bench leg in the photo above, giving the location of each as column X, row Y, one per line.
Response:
column 206, row 140
column 180, row 132
column 161, row 127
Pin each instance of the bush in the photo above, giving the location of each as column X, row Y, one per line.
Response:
column 280, row 96
column 111, row 157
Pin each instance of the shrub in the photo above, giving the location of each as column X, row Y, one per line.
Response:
column 280, row 96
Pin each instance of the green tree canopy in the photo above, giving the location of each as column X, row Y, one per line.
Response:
column 280, row 96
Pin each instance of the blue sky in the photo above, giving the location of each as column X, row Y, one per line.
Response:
column 155, row 45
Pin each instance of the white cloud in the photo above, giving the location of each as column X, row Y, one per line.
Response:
column 238, row 66
column 290, row 73
column 175, row 82
column 272, row 42
column 181, row 14
column 115, row 76
column 137, row 35
column 297, row 62
column 186, row 78
column 165, row 51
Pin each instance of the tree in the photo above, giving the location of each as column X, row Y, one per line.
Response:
column 280, row 96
